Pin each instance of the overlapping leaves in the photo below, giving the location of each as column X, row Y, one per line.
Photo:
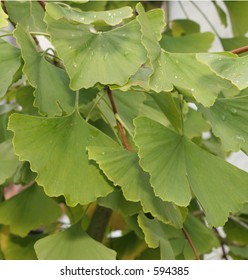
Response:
column 52, row 94
column 180, row 169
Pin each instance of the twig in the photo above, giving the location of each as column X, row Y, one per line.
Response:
column 119, row 125
column 191, row 243
column 222, row 244
column 240, row 50
column 43, row 4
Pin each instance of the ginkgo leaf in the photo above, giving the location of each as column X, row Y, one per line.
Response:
column 8, row 161
column 228, row 118
column 52, row 94
column 9, row 64
column 122, row 168
column 28, row 14
column 3, row 18
column 28, row 210
column 55, row 148
column 111, row 17
column 228, row 66
column 72, row 244
column 180, row 169
column 110, row 57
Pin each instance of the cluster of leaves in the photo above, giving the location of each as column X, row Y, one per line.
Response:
column 104, row 118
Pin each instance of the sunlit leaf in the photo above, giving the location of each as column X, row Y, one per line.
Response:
column 111, row 17
column 3, row 18
column 110, row 57
column 181, row 27
column 28, row 210
column 52, row 84
column 123, row 169
column 57, row 146
column 9, row 64
column 178, row 169
column 76, row 245
column 8, row 161
column 28, row 14
column 228, row 120
column 227, row 66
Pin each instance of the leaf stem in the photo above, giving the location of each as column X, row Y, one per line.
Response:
column 39, row 33
column 191, row 243
column 222, row 244
column 43, row 4
column 6, row 35
column 119, row 125
column 94, row 105
column 240, row 50
column 77, row 100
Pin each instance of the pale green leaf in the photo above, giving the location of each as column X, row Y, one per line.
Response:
column 238, row 11
column 190, row 77
column 110, row 57
column 178, row 169
column 8, row 161
column 55, row 148
column 3, row 18
column 28, row 14
column 228, row 66
column 28, row 210
column 122, row 168
column 52, row 94
column 9, row 64
column 181, row 27
column 111, row 17
column 192, row 43
column 228, row 118
column 222, row 15
column 158, row 234
column 72, row 244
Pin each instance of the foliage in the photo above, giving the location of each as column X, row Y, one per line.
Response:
column 106, row 128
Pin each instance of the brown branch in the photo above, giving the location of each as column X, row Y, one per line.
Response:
column 191, row 243
column 240, row 50
column 119, row 125
column 43, row 4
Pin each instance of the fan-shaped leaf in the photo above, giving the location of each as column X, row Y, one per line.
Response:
column 55, row 148
column 229, row 120
column 9, row 64
column 179, row 168
column 52, row 84
column 122, row 167
column 28, row 210
column 111, row 17
column 228, row 66
column 3, row 18
column 72, row 244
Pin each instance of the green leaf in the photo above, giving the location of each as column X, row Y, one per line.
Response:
column 3, row 18
column 181, row 27
column 9, row 64
column 221, row 13
column 28, row 210
column 111, row 17
column 236, row 232
column 28, row 14
column 228, row 120
column 18, row 248
column 110, row 57
column 122, row 168
column 25, row 98
column 8, row 161
column 72, row 244
column 239, row 251
column 55, row 148
column 178, row 169
column 228, row 66
column 158, row 234
column 230, row 44
column 52, row 94
column 238, row 11
column 192, row 43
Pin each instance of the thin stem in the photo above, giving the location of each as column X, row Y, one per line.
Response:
column 77, row 100
column 40, row 34
column 240, row 223
column 191, row 243
column 119, row 125
column 222, row 244
column 94, row 105
column 240, row 50
column 6, row 35
column 206, row 18
column 43, row 4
